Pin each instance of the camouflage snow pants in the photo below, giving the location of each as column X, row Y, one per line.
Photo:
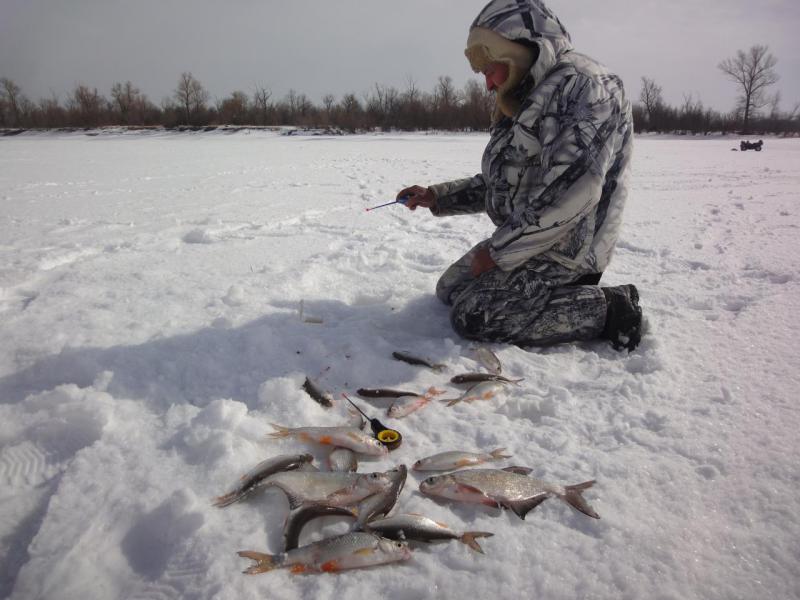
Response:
column 536, row 304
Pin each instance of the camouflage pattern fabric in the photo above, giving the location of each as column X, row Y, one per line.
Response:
column 553, row 179
column 533, row 305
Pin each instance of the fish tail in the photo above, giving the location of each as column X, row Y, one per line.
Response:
column 573, row 496
column 517, row 381
column 451, row 401
column 497, row 454
column 280, row 431
column 469, row 539
column 263, row 562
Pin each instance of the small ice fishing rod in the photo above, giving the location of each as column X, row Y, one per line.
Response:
column 391, row 438
column 400, row 200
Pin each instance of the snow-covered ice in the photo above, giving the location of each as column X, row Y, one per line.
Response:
column 150, row 290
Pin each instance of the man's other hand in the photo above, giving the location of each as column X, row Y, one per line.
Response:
column 482, row 261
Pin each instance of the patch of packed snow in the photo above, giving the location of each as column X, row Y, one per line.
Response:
column 150, row 317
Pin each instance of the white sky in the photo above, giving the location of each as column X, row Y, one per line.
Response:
column 337, row 46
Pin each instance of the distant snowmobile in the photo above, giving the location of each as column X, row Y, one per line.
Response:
column 745, row 145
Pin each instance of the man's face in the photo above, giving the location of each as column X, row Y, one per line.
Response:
column 496, row 75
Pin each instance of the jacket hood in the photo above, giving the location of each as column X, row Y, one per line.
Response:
column 527, row 22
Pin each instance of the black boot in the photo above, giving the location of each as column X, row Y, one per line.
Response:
column 623, row 317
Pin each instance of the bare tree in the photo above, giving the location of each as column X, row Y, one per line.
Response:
column 350, row 109
column 446, row 100
column 651, row 98
column 477, row 107
column 795, row 112
column 328, row 102
column 233, row 109
column 261, row 101
column 87, row 105
column 191, row 96
column 411, row 95
column 52, row 114
column 753, row 72
column 126, row 98
column 774, row 103
column 12, row 95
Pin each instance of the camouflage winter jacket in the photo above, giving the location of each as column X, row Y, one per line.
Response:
column 553, row 178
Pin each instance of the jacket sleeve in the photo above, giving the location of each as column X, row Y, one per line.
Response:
column 571, row 142
column 459, row 197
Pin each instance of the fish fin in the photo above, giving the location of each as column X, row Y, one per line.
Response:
column 264, row 562
column 573, row 497
column 516, row 381
column 469, row 539
column 226, row 499
column 581, row 486
column 299, row 569
column 353, row 436
column 523, row 507
column 485, row 500
column 432, row 391
column 280, row 431
column 338, row 495
column 497, row 454
column 451, row 401
column 295, row 500
column 518, row 470
column 468, row 489
column 332, row 566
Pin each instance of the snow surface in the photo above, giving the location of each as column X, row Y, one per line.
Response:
column 150, row 332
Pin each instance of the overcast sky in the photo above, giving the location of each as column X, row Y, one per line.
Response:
column 338, row 46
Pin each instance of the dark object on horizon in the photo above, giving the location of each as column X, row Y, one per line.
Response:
column 745, row 145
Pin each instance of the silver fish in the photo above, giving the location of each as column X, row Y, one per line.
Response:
column 343, row 460
column 415, row 360
column 376, row 505
column 332, row 489
column 299, row 517
column 422, row 529
column 405, row 405
column 320, row 396
column 486, row 390
column 381, row 503
column 252, row 480
column 348, row 551
column 342, row 437
column 489, row 360
column 479, row 377
column 506, row 489
column 457, row 459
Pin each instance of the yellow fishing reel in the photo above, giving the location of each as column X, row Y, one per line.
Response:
column 391, row 438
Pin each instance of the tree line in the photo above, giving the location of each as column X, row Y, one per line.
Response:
column 385, row 107
column 756, row 111
column 445, row 107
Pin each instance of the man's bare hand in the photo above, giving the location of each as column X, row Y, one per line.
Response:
column 482, row 261
column 418, row 196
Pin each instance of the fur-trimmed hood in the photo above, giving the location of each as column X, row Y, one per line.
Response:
column 528, row 23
